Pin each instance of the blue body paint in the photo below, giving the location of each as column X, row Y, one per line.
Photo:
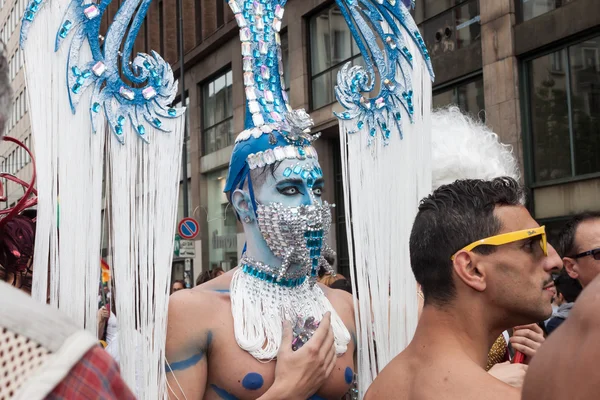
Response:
column 222, row 290
column 253, row 381
column 208, row 340
column 222, row 393
column 349, row 375
column 316, row 397
column 354, row 339
column 185, row 364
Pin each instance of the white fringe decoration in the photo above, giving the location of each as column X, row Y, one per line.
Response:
column 382, row 189
column 259, row 309
column 144, row 191
column 70, row 162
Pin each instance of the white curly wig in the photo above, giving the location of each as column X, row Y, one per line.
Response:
column 467, row 149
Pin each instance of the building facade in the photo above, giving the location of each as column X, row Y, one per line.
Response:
column 529, row 68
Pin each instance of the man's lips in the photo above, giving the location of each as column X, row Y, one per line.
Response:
column 549, row 286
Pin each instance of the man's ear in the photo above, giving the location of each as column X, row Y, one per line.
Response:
column 242, row 204
column 571, row 267
column 469, row 270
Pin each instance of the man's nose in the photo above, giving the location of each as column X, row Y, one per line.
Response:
column 552, row 263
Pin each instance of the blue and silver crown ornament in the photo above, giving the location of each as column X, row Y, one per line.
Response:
column 372, row 22
column 273, row 131
column 142, row 105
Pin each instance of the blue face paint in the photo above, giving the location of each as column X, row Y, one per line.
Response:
column 349, row 375
column 253, row 381
column 222, row 393
column 185, row 364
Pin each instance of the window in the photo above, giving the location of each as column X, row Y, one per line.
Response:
column 467, row 95
column 448, row 29
column 285, row 56
column 331, row 46
column 217, row 108
column 530, row 9
column 220, row 13
column 564, row 108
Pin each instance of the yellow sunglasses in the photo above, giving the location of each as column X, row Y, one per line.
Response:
column 510, row 237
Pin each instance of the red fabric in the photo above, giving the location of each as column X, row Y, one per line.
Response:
column 95, row 376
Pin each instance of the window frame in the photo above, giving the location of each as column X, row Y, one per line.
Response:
column 203, row 128
column 312, row 77
column 526, row 117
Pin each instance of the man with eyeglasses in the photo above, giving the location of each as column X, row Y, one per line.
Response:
column 579, row 245
column 484, row 266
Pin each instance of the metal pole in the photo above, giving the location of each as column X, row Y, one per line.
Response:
column 184, row 161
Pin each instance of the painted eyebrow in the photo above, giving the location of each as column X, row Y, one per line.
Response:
column 292, row 181
column 319, row 182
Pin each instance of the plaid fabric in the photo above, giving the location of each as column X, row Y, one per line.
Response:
column 95, row 376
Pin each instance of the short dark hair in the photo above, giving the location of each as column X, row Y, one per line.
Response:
column 449, row 219
column 342, row 284
column 566, row 237
column 567, row 286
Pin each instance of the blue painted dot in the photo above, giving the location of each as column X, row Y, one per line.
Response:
column 349, row 375
column 253, row 381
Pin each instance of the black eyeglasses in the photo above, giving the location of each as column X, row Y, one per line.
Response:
column 594, row 253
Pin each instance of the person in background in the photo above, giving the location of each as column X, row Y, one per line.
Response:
column 329, row 278
column 568, row 290
column 566, row 367
column 177, row 285
column 342, row 284
column 579, row 246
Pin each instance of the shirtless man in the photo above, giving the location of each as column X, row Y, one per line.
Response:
column 225, row 338
column 476, row 284
column 566, row 367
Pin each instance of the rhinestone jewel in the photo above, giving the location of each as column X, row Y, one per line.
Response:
column 253, row 106
column 246, row 49
column 279, row 11
column 172, row 112
column 234, row 6
column 263, row 47
column 248, row 79
column 247, row 64
column 241, row 21
column 91, row 11
column 250, row 93
column 258, row 119
column 264, row 71
column 277, row 24
column 245, row 34
column 260, row 24
column 149, row 93
column 126, row 93
column 99, row 68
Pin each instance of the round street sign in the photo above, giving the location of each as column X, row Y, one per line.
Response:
column 188, row 228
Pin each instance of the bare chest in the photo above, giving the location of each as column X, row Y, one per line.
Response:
column 233, row 374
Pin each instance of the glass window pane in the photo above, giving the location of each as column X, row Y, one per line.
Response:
column 534, row 8
column 341, row 37
column 320, row 46
column 208, row 105
column 434, row 7
column 322, row 90
column 549, row 117
column 285, row 56
column 585, row 104
column 443, row 99
column 209, row 140
column 468, row 28
column 471, row 99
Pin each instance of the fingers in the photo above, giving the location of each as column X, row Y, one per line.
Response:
column 534, row 327
column 287, row 336
column 528, row 333
column 323, row 329
column 525, row 346
column 330, row 361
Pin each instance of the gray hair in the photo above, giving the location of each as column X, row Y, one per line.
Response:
column 5, row 90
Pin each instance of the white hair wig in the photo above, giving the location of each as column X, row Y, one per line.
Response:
column 467, row 149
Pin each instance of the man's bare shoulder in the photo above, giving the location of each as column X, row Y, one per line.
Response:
column 426, row 377
column 340, row 299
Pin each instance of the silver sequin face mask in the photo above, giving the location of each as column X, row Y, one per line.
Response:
column 297, row 235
